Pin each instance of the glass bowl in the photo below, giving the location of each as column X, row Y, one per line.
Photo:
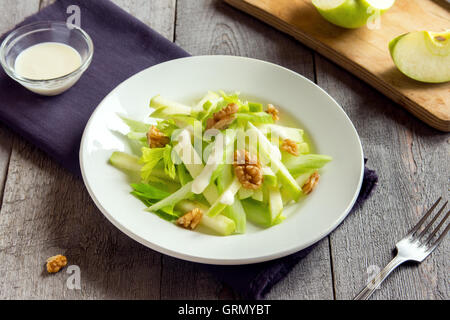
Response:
column 46, row 31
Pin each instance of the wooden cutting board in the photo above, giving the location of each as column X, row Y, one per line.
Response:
column 364, row 51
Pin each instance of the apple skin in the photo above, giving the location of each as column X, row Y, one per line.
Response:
column 351, row 14
column 430, row 43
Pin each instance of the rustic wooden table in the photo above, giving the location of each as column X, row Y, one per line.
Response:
column 46, row 211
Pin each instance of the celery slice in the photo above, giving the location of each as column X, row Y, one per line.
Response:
column 282, row 132
column 219, row 224
column 298, row 164
column 215, row 159
column 236, row 213
column 257, row 212
column 270, row 178
column 164, row 108
column 244, row 193
column 285, row 178
column 255, row 117
column 275, row 203
column 125, row 161
column 183, row 193
column 255, row 107
column 221, row 203
column 258, row 195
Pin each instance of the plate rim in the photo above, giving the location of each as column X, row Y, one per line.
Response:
column 215, row 261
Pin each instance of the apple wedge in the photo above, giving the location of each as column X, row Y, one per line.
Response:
column 351, row 13
column 423, row 55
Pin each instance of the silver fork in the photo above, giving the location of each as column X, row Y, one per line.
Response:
column 415, row 246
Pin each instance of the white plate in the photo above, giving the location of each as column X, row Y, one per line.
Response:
column 187, row 79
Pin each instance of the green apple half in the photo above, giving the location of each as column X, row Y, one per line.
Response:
column 423, row 55
column 351, row 13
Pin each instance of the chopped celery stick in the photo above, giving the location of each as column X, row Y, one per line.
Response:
column 182, row 193
column 125, row 161
column 227, row 198
column 284, row 176
column 183, row 174
column 258, row 195
column 194, row 166
column 269, row 150
column 215, row 158
column 188, row 205
column 165, row 108
column 270, row 178
column 210, row 97
column 134, row 125
column 245, row 193
column 255, row 117
column 257, row 212
column 188, row 155
column 275, row 203
column 183, row 121
column 282, row 132
column 303, row 148
column 255, row 107
column 220, row 224
column 141, row 136
column 297, row 164
column 236, row 213
column 130, row 164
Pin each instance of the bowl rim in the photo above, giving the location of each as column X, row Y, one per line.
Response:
column 198, row 258
column 48, row 23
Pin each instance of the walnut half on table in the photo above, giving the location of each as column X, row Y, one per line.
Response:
column 55, row 263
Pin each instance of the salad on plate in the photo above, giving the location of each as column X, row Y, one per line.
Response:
column 218, row 164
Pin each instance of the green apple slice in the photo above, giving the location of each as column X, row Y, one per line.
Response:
column 351, row 13
column 423, row 55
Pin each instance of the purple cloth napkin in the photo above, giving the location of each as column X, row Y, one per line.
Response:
column 123, row 46
column 254, row 281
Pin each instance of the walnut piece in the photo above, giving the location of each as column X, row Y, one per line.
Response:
column 247, row 169
column 191, row 219
column 273, row 111
column 55, row 263
column 222, row 118
column 156, row 139
column 290, row 146
column 311, row 183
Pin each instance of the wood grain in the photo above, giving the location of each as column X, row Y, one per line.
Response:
column 364, row 51
column 47, row 211
column 411, row 160
column 211, row 27
column 12, row 13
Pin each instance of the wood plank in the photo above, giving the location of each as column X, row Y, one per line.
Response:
column 364, row 51
column 159, row 14
column 47, row 211
column 211, row 27
column 12, row 12
column 410, row 160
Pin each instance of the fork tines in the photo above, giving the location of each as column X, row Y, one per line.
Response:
column 418, row 235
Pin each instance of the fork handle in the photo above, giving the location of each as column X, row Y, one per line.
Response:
column 379, row 278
